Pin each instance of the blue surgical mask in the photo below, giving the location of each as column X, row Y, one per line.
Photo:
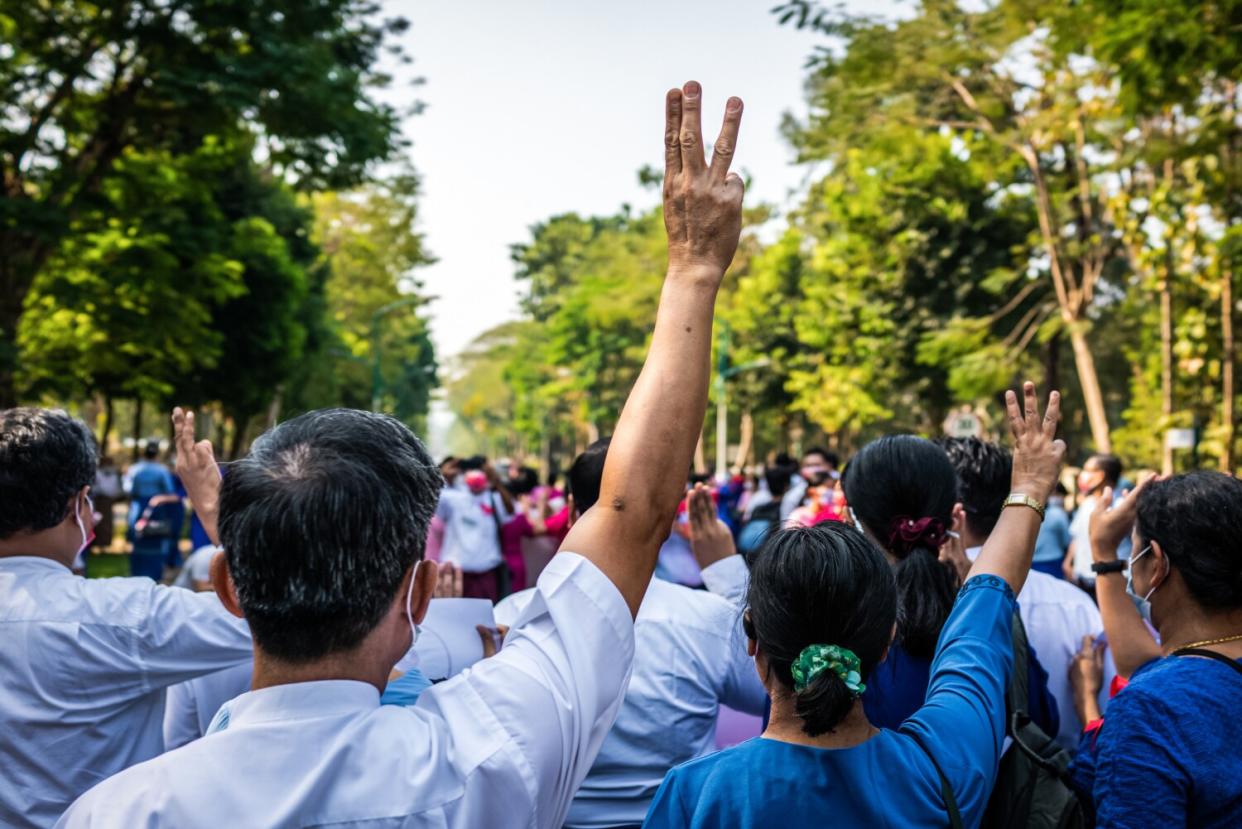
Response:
column 1143, row 603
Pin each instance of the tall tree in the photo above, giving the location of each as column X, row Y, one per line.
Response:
column 82, row 84
column 991, row 78
column 375, row 342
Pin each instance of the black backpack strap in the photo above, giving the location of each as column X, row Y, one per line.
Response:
column 1219, row 657
column 1018, row 694
column 946, row 791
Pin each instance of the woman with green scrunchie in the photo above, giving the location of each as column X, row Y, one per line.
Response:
column 822, row 611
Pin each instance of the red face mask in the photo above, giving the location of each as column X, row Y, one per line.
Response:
column 476, row 481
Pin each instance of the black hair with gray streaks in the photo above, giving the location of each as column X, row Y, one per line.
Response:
column 320, row 522
column 46, row 457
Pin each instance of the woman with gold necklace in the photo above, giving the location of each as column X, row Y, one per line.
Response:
column 1169, row 751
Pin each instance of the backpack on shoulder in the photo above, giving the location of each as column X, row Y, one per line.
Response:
column 1032, row 786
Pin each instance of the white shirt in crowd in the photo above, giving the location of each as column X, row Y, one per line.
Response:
column 192, row 705
column 504, row 744
column 793, row 497
column 1057, row 615
column 1079, row 532
column 689, row 659
column 728, row 578
column 83, row 668
column 471, row 536
column 197, row 567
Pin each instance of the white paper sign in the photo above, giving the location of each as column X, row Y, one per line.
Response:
column 1180, row 438
column 448, row 642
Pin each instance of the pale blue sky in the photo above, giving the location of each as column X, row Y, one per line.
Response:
column 541, row 107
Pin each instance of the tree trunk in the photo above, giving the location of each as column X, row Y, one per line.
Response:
column 745, row 441
column 11, row 298
column 273, row 411
column 137, row 430
column 1227, row 416
column 1166, row 369
column 1084, row 362
column 106, row 431
column 238, row 437
column 1052, row 363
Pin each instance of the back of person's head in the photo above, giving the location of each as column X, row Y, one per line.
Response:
column 152, row 450
column 587, row 473
column 320, row 523
column 1197, row 519
column 817, row 454
column 779, row 475
column 902, row 489
column 524, row 481
column 1110, row 465
column 46, row 458
column 984, row 473
column 825, row 585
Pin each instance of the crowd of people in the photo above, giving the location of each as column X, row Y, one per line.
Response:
column 927, row 635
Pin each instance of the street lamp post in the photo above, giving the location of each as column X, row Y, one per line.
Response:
column 377, row 377
column 723, row 372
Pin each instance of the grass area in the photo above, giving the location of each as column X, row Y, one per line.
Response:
column 105, row 565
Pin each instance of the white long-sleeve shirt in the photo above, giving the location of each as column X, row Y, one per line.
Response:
column 504, row 744
column 689, row 659
column 83, row 668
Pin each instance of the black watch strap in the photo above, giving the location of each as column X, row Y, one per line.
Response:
column 1102, row 567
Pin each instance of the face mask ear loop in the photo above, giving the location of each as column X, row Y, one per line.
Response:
column 409, row 606
column 77, row 517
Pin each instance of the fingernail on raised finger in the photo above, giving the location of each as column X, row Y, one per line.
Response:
column 692, row 89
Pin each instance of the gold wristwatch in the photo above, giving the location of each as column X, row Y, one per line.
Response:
column 1018, row 499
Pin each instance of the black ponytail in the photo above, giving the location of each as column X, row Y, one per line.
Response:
column 926, row 590
column 897, row 478
column 821, row 585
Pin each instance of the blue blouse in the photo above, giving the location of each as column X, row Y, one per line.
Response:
column 1170, row 750
column 888, row 780
column 898, row 686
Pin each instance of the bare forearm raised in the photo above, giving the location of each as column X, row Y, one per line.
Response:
column 1131, row 642
column 652, row 447
column 1111, row 523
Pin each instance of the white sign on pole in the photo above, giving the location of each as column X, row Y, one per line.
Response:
column 1180, row 438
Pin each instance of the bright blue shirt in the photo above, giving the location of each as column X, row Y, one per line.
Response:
column 898, row 686
column 888, row 780
column 1170, row 750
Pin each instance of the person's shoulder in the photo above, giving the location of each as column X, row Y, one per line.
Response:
column 665, row 600
column 1184, row 675
column 131, row 797
column 702, row 770
column 1042, row 587
column 509, row 608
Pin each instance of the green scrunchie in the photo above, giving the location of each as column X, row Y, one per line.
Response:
column 841, row 661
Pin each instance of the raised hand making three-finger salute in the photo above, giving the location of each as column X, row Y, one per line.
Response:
column 1037, row 457
column 702, row 201
column 655, row 437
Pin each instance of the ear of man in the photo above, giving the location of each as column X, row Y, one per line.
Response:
column 222, row 583
column 426, row 575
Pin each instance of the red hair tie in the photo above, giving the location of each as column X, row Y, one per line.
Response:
column 906, row 533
